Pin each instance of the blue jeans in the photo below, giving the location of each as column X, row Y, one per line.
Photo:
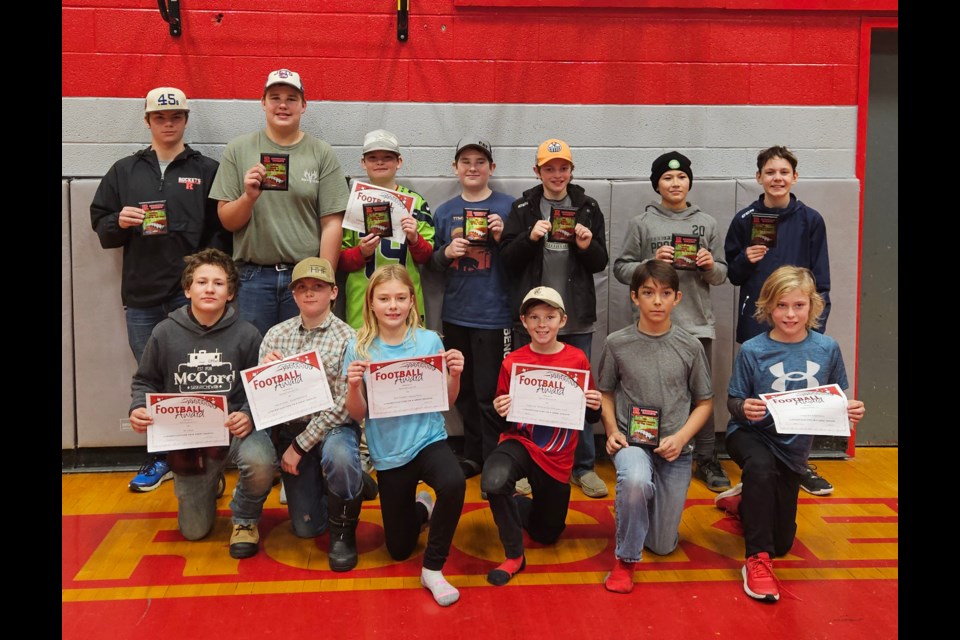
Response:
column 264, row 298
column 586, row 452
column 142, row 320
column 651, row 493
column 332, row 466
column 197, row 494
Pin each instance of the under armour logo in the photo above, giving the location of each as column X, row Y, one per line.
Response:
column 554, row 147
column 780, row 384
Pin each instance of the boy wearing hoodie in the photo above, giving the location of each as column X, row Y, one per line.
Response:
column 651, row 236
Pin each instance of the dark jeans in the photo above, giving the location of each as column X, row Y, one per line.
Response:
column 705, row 442
column 543, row 516
column 768, row 508
column 586, row 453
column 438, row 467
column 483, row 351
column 264, row 297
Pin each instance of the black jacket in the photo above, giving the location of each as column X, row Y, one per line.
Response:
column 152, row 265
column 523, row 258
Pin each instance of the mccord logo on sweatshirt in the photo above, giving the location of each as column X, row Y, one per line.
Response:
column 204, row 372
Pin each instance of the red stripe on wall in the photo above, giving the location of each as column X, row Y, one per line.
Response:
column 521, row 57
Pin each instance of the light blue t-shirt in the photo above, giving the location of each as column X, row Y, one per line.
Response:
column 767, row 366
column 396, row 441
column 477, row 293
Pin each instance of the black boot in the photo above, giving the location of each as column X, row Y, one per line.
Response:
column 344, row 516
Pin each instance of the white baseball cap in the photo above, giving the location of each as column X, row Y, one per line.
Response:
column 165, row 99
column 284, row 76
column 380, row 140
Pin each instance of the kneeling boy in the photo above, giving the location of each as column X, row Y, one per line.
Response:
column 208, row 327
column 542, row 454
column 651, row 373
column 320, row 456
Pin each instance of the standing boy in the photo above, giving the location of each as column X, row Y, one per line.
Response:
column 554, row 236
column 171, row 182
column 652, row 373
column 319, row 454
column 201, row 348
column 800, row 240
column 362, row 253
column 651, row 236
column 280, row 218
column 540, row 453
column 476, row 301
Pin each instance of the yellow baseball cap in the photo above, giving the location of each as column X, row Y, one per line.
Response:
column 319, row 268
column 553, row 148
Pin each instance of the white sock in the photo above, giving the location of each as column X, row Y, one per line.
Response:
column 443, row 592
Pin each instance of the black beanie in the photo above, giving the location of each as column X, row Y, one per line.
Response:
column 672, row 161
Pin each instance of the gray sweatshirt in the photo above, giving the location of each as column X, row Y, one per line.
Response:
column 655, row 227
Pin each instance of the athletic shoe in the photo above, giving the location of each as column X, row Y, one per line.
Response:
column 369, row 489
column 591, row 484
column 620, row 578
column 154, row 472
column 729, row 501
column 759, row 580
column 244, row 541
column 523, row 487
column 812, row 482
column 283, row 493
column 711, row 473
column 221, row 485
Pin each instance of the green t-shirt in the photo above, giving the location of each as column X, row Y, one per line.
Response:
column 284, row 225
column 388, row 252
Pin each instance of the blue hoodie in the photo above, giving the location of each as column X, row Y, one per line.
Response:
column 801, row 242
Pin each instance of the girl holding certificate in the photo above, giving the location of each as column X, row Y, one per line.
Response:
column 406, row 449
column 789, row 357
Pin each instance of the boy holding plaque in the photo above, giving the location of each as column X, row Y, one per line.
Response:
column 362, row 253
column 408, row 446
column 201, row 349
column 476, row 301
column 282, row 192
column 680, row 233
column 542, row 454
column 538, row 248
column 651, row 374
column 786, row 358
column 155, row 205
column 319, row 453
column 777, row 230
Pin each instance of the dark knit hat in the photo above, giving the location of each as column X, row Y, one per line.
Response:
column 671, row 161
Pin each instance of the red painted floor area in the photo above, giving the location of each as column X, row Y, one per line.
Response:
column 127, row 573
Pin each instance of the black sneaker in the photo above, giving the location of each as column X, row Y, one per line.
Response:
column 812, row 482
column 711, row 473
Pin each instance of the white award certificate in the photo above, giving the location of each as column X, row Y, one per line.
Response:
column 820, row 411
column 407, row 386
column 186, row 421
column 549, row 396
column 287, row 389
column 361, row 192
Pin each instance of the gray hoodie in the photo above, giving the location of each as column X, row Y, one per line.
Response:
column 655, row 227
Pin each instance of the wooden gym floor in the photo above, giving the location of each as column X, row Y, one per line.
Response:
column 127, row 572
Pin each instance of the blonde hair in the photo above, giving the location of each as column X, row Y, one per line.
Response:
column 781, row 282
column 371, row 328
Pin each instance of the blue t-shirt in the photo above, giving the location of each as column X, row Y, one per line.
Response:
column 477, row 293
column 396, row 441
column 767, row 366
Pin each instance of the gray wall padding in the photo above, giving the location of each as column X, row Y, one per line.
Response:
column 67, row 416
column 104, row 363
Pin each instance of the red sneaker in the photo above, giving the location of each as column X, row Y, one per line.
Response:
column 759, row 580
column 729, row 500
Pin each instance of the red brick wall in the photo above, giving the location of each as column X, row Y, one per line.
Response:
column 460, row 52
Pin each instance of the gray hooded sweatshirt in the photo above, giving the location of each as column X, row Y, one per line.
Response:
column 655, row 227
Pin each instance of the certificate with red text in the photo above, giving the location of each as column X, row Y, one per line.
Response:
column 407, row 386
column 287, row 389
column 820, row 411
column 361, row 193
column 549, row 396
column 186, row 421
